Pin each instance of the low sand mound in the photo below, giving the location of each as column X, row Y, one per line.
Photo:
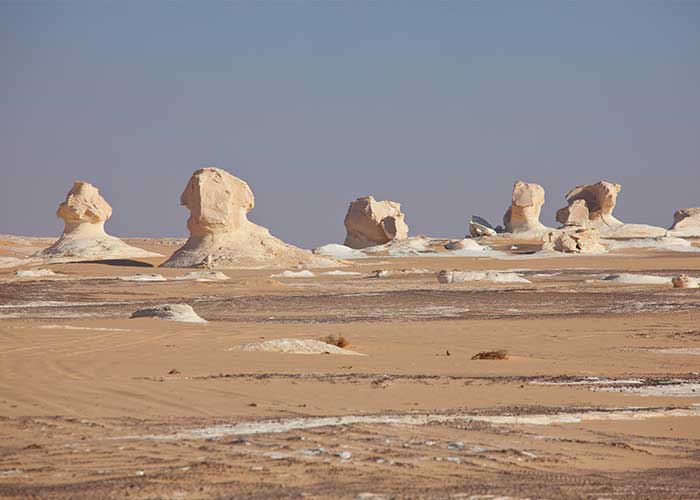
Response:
column 468, row 276
column 172, row 312
column 143, row 277
column 221, row 236
column 637, row 279
column 295, row 346
column 204, row 276
column 84, row 213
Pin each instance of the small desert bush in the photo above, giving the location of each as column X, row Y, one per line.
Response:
column 336, row 340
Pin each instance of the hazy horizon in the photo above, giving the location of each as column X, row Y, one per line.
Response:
column 441, row 107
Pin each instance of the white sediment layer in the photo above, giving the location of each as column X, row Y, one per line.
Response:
column 295, row 346
column 637, row 279
column 294, row 274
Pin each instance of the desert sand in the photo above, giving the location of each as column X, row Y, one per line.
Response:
column 598, row 395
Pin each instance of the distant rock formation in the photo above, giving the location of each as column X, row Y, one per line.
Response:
column 84, row 213
column 686, row 222
column 523, row 215
column 599, row 199
column 221, row 236
column 574, row 240
column 478, row 226
column 370, row 222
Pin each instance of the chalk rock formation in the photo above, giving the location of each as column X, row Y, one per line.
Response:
column 295, row 346
column 523, row 215
column 221, row 236
column 686, row 222
column 685, row 281
column 574, row 240
column 478, row 226
column 599, row 199
column 172, row 312
column 370, row 222
column 84, row 213
column 575, row 214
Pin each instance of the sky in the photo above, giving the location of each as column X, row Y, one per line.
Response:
column 440, row 106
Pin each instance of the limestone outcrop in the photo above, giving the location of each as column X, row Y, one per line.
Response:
column 84, row 213
column 599, row 199
column 523, row 215
column 370, row 223
column 686, row 222
column 574, row 240
column 575, row 214
column 221, row 236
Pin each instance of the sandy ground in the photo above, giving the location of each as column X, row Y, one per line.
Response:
column 600, row 396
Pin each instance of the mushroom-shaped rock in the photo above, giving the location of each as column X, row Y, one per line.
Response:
column 221, row 236
column 599, row 199
column 686, row 222
column 523, row 215
column 370, row 222
column 84, row 213
column 573, row 240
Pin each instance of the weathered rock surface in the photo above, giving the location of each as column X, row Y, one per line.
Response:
column 627, row 231
column 523, row 215
column 370, row 222
column 686, row 222
column 172, row 312
column 574, row 240
column 685, row 281
column 221, row 236
column 465, row 244
column 84, row 213
column 599, row 199
column 575, row 214
column 478, row 226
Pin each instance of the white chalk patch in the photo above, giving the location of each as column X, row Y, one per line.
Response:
column 637, row 279
column 294, row 274
column 143, row 277
column 172, row 312
column 203, row 276
column 37, row 273
column 685, row 390
column 339, row 252
column 287, row 425
column 295, row 346
column 471, row 276
column 341, row 273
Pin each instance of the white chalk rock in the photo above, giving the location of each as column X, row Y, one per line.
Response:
column 637, row 279
column 685, row 281
column 336, row 251
column 574, row 240
column 478, row 226
column 203, row 276
column 172, row 312
column 143, row 277
column 84, row 213
column 370, row 222
column 221, row 236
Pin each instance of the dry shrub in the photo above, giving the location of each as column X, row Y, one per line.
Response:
column 502, row 354
column 336, row 340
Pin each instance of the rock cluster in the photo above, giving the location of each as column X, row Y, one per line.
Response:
column 573, row 239
column 370, row 223
column 221, row 236
column 84, row 213
column 478, row 226
column 523, row 215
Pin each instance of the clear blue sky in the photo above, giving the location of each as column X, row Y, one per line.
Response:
column 438, row 105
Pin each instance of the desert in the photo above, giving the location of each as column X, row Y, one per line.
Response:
column 507, row 365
